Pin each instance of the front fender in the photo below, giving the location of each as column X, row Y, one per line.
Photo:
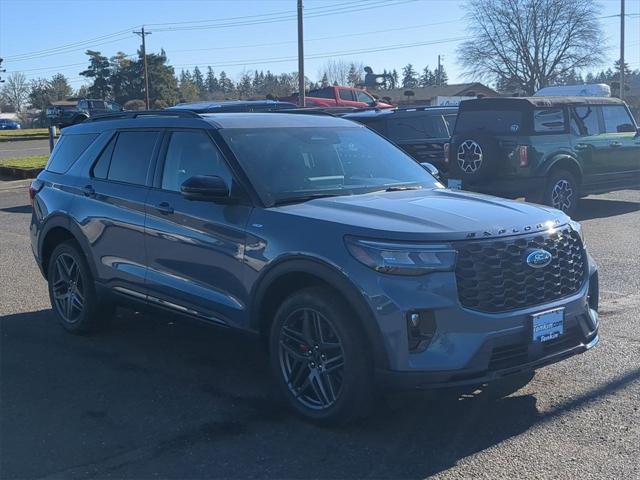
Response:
column 333, row 276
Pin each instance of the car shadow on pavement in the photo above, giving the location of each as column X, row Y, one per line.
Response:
column 591, row 208
column 18, row 209
column 158, row 396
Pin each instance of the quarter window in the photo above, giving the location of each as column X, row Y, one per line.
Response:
column 68, row 150
column 417, row 127
column 617, row 119
column 131, row 157
column 547, row 120
column 584, row 121
column 189, row 154
column 346, row 95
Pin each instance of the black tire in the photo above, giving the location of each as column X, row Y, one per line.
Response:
column 508, row 385
column 562, row 191
column 74, row 285
column 299, row 366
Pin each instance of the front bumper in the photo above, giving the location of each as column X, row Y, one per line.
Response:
column 521, row 357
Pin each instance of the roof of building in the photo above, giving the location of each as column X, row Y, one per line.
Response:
column 426, row 93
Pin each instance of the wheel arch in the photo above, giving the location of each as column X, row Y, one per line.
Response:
column 293, row 274
column 59, row 229
column 565, row 162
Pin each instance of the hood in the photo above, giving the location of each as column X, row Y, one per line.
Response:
column 438, row 214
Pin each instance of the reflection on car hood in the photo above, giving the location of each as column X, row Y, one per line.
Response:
column 441, row 213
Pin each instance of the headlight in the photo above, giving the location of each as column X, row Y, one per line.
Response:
column 576, row 227
column 399, row 258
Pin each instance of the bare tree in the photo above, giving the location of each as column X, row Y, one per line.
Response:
column 337, row 71
column 16, row 91
column 530, row 43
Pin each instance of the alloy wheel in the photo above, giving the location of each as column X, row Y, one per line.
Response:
column 562, row 195
column 68, row 288
column 311, row 359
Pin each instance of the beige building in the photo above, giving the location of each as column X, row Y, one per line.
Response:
column 427, row 95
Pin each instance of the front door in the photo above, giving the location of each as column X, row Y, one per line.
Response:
column 589, row 143
column 195, row 248
column 623, row 144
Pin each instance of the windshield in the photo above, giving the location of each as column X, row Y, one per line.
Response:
column 298, row 163
column 490, row 121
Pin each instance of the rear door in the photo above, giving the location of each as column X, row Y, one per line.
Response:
column 589, row 143
column 195, row 248
column 346, row 98
column 113, row 213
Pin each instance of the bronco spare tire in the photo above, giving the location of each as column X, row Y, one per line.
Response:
column 474, row 159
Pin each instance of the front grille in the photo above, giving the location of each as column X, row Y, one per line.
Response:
column 493, row 276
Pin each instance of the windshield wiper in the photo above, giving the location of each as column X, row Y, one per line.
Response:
column 305, row 198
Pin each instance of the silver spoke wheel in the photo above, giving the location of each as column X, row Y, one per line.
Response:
column 68, row 288
column 562, row 195
column 311, row 359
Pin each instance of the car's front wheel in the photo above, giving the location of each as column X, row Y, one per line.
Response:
column 319, row 358
column 72, row 292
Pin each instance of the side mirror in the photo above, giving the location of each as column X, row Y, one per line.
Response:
column 205, row 187
column 431, row 169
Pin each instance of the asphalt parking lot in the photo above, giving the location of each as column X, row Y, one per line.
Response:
column 154, row 397
column 23, row 148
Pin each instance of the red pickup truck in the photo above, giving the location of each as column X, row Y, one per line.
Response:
column 339, row 97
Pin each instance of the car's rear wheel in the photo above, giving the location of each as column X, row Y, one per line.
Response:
column 562, row 191
column 319, row 358
column 72, row 291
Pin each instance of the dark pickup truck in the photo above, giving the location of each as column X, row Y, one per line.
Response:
column 71, row 112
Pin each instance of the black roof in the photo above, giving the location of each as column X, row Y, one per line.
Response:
column 211, row 106
column 378, row 112
column 189, row 119
column 529, row 102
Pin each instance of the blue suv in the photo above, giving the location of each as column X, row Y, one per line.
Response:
column 358, row 268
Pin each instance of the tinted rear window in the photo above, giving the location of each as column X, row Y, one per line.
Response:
column 68, row 150
column 503, row 122
column 417, row 127
column 131, row 157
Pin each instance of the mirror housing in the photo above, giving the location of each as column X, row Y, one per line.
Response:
column 429, row 167
column 205, row 187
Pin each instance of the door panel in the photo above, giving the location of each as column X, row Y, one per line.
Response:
column 112, row 213
column 195, row 248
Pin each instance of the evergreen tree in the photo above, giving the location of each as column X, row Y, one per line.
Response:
column 226, row 85
column 198, row 81
column 409, row 77
column 353, row 76
column 211, row 82
column 395, row 77
column 99, row 70
column 59, row 88
column 324, row 82
column 427, row 78
column 245, row 87
column 440, row 76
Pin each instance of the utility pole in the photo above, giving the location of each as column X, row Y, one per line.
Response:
column 621, row 49
column 438, row 79
column 301, row 92
column 2, row 70
column 143, row 34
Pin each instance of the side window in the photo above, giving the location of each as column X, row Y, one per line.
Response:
column 192, row 153
column 417, row 127
column 617, row 119
column 548, row 120
column 131, row 157
column 364, row 97
column 322, row 93
column 584, row 121
column 101, row 166
column 345, row 95
column 68, row 150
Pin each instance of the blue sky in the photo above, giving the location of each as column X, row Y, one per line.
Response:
column 366, row 30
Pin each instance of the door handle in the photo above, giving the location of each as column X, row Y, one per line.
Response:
column 615, row 144
column 88, row 191
column 164, row 208
column 581, row 146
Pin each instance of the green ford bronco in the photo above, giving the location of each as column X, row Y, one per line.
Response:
column 550, row 150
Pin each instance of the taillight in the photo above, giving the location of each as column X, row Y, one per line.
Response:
column 522, row 153
column 34, row 188
column 445, row 150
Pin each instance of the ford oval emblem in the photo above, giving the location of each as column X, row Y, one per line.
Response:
column 539, row 258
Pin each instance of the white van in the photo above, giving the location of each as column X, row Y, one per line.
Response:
column 590, row 90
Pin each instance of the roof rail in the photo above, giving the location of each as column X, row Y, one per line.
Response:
column 304, row 111
column 144, row 113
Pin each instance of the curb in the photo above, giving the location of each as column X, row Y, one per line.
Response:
column 18, row 173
